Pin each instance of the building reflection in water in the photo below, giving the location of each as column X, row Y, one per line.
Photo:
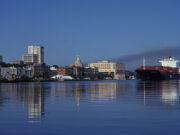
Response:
column 106, row 91
column 158, row 92
column 33, row 98
column 91, row 91
column 68, row 91
column 79, row 91
column 31, row 95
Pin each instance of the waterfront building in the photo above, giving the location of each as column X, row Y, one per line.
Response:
column 69, row 71
column 28, row 72
column 65, row 71
column 78, row 72
column 30, row 58
column 39, row 51
column 1, row 59
column 40, row 70
column 8, row 72
column 18, row 62
column 91, row 72
column 73, row 71
column 116, row 70
column 61, row 71
column 53, row 71
column 15, row 72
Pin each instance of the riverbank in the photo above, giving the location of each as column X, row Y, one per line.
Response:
column 18, row 81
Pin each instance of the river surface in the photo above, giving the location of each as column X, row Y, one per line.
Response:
column 90, row 108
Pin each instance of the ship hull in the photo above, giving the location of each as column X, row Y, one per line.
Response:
column 156, row 75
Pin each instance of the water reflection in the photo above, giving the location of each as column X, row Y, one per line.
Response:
column 105, row 92
column 34, row 99
column 33, row 96
column 160, row 92
column 30, row 95
column 102, row 92
column 170, row 92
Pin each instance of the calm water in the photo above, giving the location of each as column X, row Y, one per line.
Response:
column 90, row 108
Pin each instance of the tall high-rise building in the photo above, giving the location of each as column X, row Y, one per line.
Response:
column 30, row 58
column 38, row 50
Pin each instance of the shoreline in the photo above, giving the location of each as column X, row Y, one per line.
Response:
column 50, row 81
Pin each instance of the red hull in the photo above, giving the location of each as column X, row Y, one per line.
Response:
column 157, row 73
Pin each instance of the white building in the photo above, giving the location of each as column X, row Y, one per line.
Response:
column 38, row 50
column 30, row 58
column 117, row 69
column 8, row 72
column 169, row 62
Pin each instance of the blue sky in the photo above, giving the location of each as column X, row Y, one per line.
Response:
column 93, row 29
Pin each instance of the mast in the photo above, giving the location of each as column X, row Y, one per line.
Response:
column 144, row 62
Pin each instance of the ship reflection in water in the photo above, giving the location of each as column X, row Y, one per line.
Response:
column 99, row 104
column 160, row 92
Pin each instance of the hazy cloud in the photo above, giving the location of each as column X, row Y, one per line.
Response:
column 152, row 57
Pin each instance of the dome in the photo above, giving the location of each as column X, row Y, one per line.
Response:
column 78, row 62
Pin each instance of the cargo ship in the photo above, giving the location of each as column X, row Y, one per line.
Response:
column 167, row 71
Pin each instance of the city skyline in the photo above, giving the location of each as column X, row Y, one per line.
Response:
column 95, row 30
column 90, row 67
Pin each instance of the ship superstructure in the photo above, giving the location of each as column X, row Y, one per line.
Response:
column 169, row 62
